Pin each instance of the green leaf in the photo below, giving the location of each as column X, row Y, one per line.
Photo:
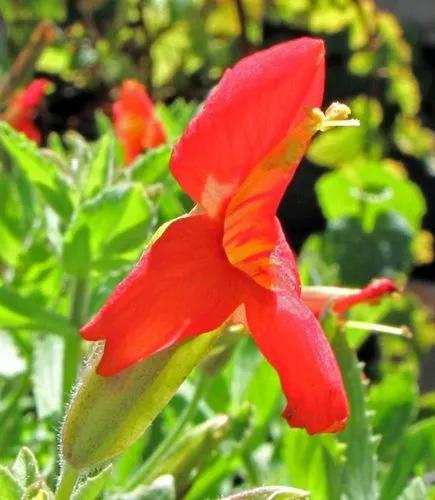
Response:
column 334, row 148
column 115, row 222
column 404, row 90
column 163, row 488
column 313, row 462
column 39, row 169
column 18, row 312
column 270, row 493
column 47, row 374
column 193, row 452
column 394, row 403
column 11, row 363
column 16, row 216
column 416, row 449
column 9, row 487
column 264, row 403
column 100, row 169
column 151, row 167
column 359, row 469
column 370, row 187
column 209, row 482
column 25, row 467
column 362, row 255
column 176, row 116
column 412, row 138
column 416, row 490
column 129, row 462
column 108, row 414
column 92, row 487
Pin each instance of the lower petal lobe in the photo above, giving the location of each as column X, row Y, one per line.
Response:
column 182, row 286
column 292, row 340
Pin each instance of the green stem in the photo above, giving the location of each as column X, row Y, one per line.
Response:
column 145, row 472
column 72, row 342
column 67, row 482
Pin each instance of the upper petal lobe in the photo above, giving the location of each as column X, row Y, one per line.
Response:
column 250, row 111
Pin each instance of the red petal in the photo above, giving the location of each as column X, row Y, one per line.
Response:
column 250, row 111
column 20, row 111
column 26, row 125
column 261, row 251
column 32, row 95
column 293, row 342
column 182, row 286
column 375, row 290
column 317, row 298
column 135, row 123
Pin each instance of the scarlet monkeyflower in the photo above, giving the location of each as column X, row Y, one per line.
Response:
column 229, row 257
column 21, row 110
column 136, row 125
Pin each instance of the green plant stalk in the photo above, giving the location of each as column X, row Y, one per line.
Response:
column 72, row 353
column 67, row 482
column 145, row 472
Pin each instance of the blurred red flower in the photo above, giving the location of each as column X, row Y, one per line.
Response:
column 229, row 257
column 21, row 110
column 136, row 125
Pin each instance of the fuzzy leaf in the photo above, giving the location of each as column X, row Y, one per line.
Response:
column 93, row 486
column 359, row 469
column 9, row 486
column 47, row 373
column 25, row 467
column 39, row 169
column 270, row 493
column 23, row 313
column 416, row 490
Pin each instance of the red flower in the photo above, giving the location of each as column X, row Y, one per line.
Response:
column 229, row 257
column 135, row 123
column 21, row 110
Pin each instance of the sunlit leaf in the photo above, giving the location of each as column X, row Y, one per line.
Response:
column 18, row 312
column 394, row 402
column 412, row 138
column 416, row 490
column 115, row 222
column 359, row 468
column 9, row 486
column 368, row 189
column 92, row 487
column 11, row 362
column 25, row 467
column 417, row 448
column 269, row 493
column 100, row 168
column 39, row 169
column 47, row 374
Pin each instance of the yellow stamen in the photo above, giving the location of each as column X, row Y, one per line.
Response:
column 336, row 115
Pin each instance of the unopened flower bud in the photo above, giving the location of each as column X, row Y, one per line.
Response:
column 108, row 414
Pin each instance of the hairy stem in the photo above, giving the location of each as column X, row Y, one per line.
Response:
column 67, row 482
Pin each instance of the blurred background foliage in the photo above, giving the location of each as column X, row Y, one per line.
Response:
column 73, row 221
